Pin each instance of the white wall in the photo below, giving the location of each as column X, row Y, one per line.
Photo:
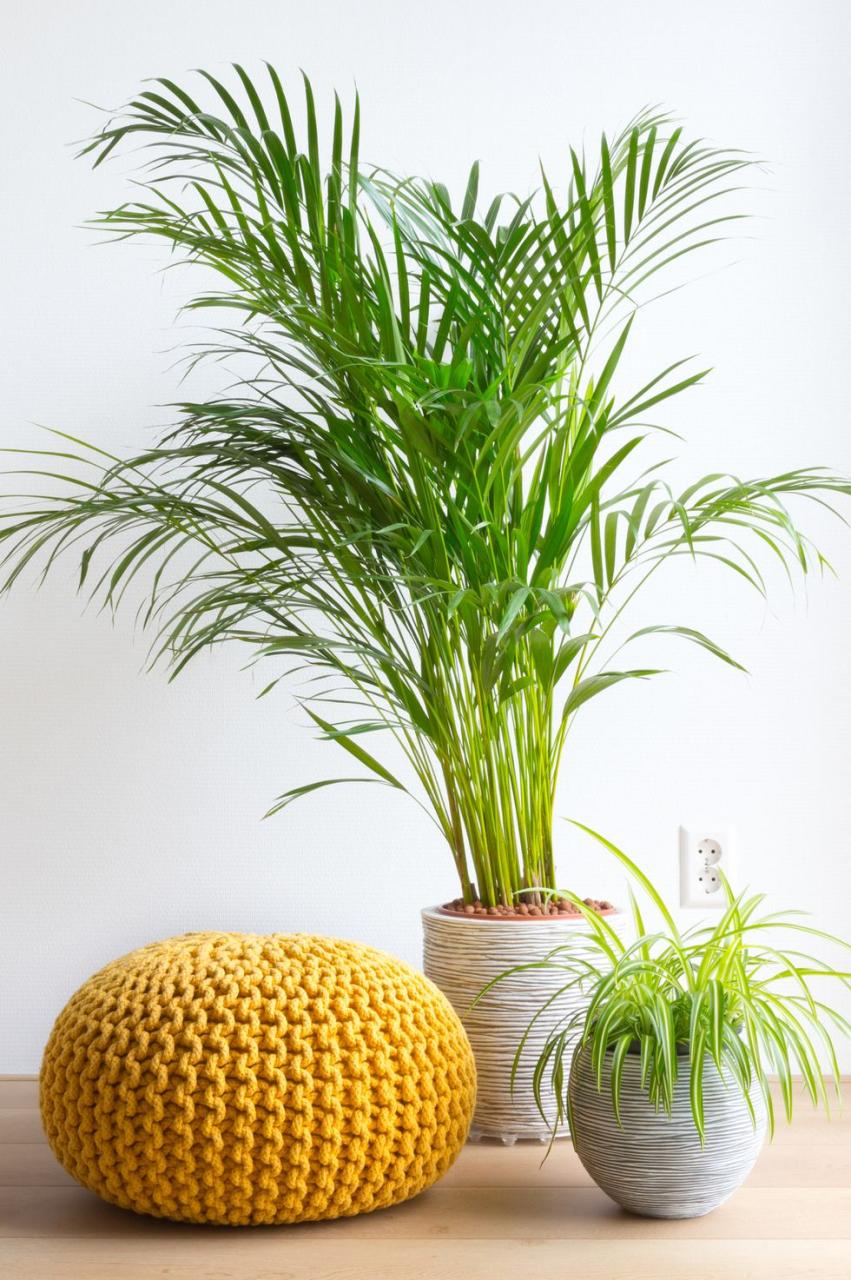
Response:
column 129, row 809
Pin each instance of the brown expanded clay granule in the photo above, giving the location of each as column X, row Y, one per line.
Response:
column 558, row 907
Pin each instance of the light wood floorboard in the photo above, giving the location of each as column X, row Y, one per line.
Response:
column 286, row 1256
column 497, row 1214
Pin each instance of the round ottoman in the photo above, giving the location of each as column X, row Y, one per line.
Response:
column 241, row 1079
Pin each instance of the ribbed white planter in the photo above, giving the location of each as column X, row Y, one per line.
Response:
column 654, row 1165
column 461, row 957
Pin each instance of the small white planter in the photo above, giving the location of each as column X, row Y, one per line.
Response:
column 461, row 956
column 653, row 1163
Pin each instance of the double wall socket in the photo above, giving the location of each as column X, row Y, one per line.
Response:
column 704, row 853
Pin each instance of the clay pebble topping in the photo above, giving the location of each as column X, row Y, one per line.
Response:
column 558, row 907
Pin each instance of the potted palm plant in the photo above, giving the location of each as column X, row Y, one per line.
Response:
column 423, row 485
column 665, row 1075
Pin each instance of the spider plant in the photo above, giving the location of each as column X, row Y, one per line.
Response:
column 421, row 486
column 734, row 995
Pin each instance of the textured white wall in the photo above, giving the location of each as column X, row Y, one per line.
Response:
column 130, row 809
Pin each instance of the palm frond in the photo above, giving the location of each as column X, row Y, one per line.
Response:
column 421, row 486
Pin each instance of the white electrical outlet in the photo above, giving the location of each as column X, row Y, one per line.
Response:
column 704, row 853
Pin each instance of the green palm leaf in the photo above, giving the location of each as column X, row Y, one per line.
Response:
column 413, row 495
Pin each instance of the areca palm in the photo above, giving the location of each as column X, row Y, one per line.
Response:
column 423, row 487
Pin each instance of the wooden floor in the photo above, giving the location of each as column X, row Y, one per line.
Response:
column 497, row 1214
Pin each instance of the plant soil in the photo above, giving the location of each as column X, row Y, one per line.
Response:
column 556, row 908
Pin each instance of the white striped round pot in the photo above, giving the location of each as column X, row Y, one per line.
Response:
column 461, row 956
column 652, row 1163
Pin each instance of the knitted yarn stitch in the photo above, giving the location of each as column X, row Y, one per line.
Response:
column 242, row 1079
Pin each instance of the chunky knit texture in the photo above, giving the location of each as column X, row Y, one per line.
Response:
column 237, row 1079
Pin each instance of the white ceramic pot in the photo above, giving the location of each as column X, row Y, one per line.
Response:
column 652, row 1163
column 461, row 956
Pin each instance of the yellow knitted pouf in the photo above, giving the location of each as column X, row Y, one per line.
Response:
column 238, row 1079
